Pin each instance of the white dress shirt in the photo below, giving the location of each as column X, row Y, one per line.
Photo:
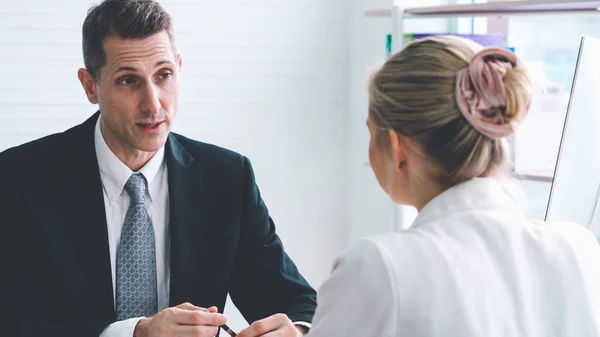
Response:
column 114, row 175
column 471, row 265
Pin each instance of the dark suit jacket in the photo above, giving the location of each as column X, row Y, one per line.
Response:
column 56, row 276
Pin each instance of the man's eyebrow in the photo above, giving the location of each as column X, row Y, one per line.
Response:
column 130, row 68
column 125, row 69
column 160, row 63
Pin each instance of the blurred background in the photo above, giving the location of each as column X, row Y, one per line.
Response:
column 284, row 83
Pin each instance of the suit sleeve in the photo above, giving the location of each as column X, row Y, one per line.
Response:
column 359, row 298
column 24, row 308
column 8, row 280
column 266, row 280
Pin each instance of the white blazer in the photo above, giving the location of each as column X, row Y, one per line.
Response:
column 471, row 264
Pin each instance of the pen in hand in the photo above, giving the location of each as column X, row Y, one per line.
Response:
column 228, row 330
column 224, row 327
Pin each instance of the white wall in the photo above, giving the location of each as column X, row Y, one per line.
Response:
column 265, row 78
column 370, row 211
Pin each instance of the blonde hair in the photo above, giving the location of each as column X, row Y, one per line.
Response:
column 414, row 93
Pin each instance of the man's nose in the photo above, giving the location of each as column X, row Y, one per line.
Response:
column 150, row 100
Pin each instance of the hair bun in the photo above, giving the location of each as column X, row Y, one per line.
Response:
column 481, row 92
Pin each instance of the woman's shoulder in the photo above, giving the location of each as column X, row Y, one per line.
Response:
column 375, row 245
column 382, row 251
column 367, row 254
column 577, row 236
column 365, row 249
column 563, row 227
column 409, row 239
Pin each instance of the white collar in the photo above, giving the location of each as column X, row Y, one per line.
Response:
column 115, row 173
column 474, row 194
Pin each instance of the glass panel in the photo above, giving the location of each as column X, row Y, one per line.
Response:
column 551, row 55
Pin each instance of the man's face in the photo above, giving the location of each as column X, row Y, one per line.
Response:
column 137, row 91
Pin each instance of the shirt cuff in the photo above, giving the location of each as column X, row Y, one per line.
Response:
column 304, row 325
column 121, row 328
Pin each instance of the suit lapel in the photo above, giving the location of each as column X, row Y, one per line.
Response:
column 186, row 223
column 85, row 231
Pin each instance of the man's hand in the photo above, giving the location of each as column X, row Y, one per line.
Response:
column 182, row 320
column 277, row 325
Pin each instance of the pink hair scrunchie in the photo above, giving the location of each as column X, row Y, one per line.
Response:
column 480, row 91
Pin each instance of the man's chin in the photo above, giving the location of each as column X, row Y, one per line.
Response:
column 152, row 146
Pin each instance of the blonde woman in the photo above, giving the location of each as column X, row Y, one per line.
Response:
column 472, row 263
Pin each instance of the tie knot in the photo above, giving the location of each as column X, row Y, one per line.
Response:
column 136, row 188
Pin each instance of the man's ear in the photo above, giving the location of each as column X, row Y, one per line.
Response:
column 89, row 85
column 398, row 149
column 179, row 61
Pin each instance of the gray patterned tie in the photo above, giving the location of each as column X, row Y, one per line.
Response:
column 136, row 257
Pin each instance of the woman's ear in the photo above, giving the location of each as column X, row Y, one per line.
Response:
column 397, row 149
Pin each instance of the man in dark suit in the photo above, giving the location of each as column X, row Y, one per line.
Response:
column 118, row 227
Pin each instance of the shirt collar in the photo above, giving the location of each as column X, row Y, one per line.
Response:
column 474, row 194
column 114, row 173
